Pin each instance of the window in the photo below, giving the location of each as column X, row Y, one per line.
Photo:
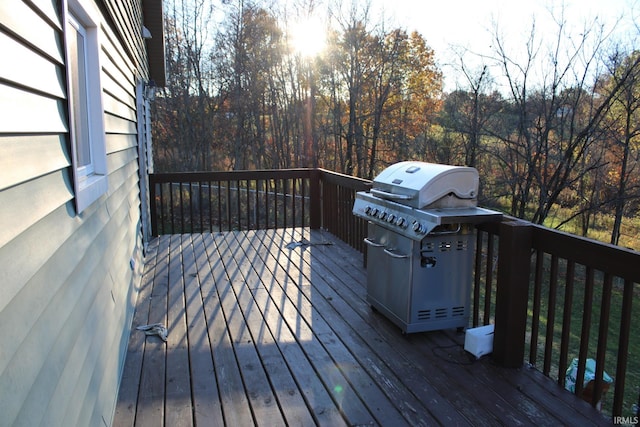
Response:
column 85, row 105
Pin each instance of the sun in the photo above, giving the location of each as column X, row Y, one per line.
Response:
column 308, row 37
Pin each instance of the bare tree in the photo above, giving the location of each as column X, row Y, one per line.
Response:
column 353, row 65
column 184, row 109
column 557, row 116
column 248, row 45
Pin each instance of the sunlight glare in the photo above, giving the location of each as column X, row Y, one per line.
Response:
column 308, row 37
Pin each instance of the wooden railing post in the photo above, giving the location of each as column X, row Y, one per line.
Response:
column 512, row 293
column 315, row 205
column 153, row 211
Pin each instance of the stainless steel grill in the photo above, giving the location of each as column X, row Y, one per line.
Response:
column 421, row 242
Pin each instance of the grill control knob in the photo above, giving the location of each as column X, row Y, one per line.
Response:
column 367, row 210
column 382, row 215
column 374, row 211
column 418, row 228
column 391, row 218
column 401, row 222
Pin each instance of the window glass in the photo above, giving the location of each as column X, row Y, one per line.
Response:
column 80, row 136
column 86, row 114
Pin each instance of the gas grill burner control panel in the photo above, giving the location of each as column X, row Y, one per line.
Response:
column 391, row 218
column 402, row 219
column 415, row 223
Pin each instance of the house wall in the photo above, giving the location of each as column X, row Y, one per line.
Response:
column 68, row 281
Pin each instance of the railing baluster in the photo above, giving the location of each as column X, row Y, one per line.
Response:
column 190, row 204
column 342, row 218
column 586, row 328
column 566, row 322
column 172, row 209
column 476, row 279
column 181, row 207
column 551, row 315
column 349, row 221
column 200, row 207
column 339, row 215
column 349, row 218
column 238, row 205
column 293, row 202
column 210, row 208
column 257, row 216
column 305, row 219
column 219, row 207
column 336, row 216
column 160, row 186
column 267, row 186
column 275, row 201
column 228, row 205
column 535, row 317
column 241, row 211
column 334, row 206
column 603, row 333
column 239, row 201
column 190, row 194
column 327, row 204
column 488, row 283
column 285, row 191
column 248, row 210
column 304, row 184
column 335, row 193
column 623, row 348
column 346, row 208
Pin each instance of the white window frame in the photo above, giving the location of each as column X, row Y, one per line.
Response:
column 90, row 179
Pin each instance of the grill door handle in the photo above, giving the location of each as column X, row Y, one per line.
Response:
column 372, row 243
column 391, row 196
column 394, row 255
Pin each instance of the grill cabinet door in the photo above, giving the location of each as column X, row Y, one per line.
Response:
column 389, row 273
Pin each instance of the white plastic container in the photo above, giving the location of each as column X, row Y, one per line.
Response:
column 479, row 341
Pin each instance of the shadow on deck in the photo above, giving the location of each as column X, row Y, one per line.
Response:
column 266, row 331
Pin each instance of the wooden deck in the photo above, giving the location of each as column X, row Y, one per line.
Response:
column 264, row 331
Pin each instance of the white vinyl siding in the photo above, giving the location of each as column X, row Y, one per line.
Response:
column 67, row 288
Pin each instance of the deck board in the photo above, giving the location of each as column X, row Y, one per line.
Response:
column 177, row 384
column 263, row 332
column 151, row 395
column 304, row 357
column 207, row 408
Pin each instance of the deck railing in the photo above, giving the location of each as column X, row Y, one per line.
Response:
column 553, row 297
column 195, row 202
column 560, row 292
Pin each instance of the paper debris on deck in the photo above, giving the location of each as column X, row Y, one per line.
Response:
column 306, row 243
column 155, row 329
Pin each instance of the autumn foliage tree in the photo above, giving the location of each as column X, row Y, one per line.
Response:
column 247, row 100
column 622, row 130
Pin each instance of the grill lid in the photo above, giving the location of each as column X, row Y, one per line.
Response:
column 420, row 184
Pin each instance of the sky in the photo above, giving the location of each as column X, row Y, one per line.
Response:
column 467, row 21
column 454, row 24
